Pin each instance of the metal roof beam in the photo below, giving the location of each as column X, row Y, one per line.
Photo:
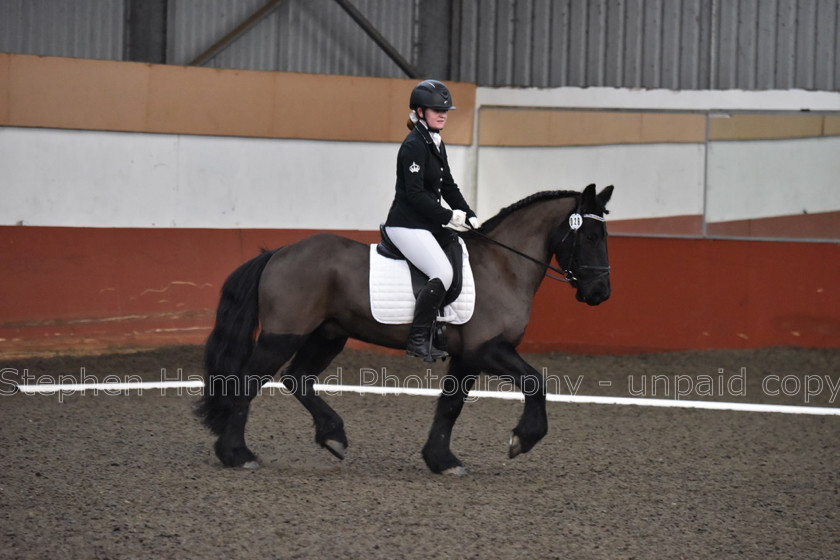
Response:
column 377, row 37
column 240, row 30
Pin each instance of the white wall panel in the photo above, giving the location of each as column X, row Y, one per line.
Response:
column 651, row 180
column 71, row 178
column 108, row 179
column 761, row 179
column 659, row 99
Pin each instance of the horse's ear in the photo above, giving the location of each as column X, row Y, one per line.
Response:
column 587, row 198
column 604, row 196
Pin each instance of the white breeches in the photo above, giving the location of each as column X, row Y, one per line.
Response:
column 421, row 248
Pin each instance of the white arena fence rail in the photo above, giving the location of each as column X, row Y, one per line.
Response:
column 333, row 389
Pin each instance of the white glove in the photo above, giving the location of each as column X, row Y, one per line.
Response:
column 458, row 221
column 475, row 222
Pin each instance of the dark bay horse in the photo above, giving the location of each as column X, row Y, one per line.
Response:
column 303, row 301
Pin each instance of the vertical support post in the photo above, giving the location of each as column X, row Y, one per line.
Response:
column 435, row 39
column 145, row 31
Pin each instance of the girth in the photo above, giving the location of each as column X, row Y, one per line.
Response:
column 448, row 241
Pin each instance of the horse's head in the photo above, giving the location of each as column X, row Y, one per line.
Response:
column 580, row 246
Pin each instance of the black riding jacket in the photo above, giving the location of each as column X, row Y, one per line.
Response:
column 423, row 177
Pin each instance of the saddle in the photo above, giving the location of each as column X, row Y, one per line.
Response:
column 448, row 240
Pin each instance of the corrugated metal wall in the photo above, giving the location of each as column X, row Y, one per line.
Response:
column 314, row 36
column 619, row 43
column 80, row 29
column 676, row 44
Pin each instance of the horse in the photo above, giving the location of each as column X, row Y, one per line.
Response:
column 302, row 302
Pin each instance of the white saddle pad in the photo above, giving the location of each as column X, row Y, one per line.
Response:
column 392, row 298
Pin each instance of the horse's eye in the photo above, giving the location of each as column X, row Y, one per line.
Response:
column 592, row 236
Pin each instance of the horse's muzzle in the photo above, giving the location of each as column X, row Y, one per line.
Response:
column 593, row 294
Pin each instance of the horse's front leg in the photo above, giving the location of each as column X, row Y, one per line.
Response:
column 533, row 424
column 455, row 387
column 501, row 358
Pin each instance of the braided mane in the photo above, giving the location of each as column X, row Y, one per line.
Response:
column 490, row 224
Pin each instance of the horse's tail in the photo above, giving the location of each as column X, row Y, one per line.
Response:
column 231, row 342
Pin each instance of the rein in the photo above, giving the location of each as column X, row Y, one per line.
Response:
column 575, row 221
column 566, row 273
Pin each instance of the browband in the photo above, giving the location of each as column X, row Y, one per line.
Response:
column 576, row 220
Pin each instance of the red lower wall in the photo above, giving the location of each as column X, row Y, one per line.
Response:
column 90, row 289
column 675, row 294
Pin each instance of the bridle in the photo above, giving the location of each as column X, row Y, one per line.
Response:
column 575, row 222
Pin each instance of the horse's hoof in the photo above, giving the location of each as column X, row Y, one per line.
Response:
column 515, row 446
column 335, row 447
column 252, row 465
column 456, row 471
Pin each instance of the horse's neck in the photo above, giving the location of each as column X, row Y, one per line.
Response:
column 528, row 229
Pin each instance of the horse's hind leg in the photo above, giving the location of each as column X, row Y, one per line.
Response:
column 313, row 357
column 269, row 355
column 455, row 387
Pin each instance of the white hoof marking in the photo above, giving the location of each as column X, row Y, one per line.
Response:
column 335, row 448
column 514, row 446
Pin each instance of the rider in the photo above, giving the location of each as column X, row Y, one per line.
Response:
column 417, row 216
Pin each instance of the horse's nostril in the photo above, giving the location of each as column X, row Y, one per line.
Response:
column 594, row 296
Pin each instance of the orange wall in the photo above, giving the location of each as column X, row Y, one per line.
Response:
column 88, row 289
column 127, row 96
column 556, row 127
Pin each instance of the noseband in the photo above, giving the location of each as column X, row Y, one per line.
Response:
column 575, row 222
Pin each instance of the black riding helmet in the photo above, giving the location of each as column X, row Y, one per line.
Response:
column 431, row 94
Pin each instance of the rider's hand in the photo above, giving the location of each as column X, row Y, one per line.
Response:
column 475, row 223
column 458, row 221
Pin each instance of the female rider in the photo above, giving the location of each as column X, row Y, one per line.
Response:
column 417, row 216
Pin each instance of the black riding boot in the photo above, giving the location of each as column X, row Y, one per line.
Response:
column 425, row 313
